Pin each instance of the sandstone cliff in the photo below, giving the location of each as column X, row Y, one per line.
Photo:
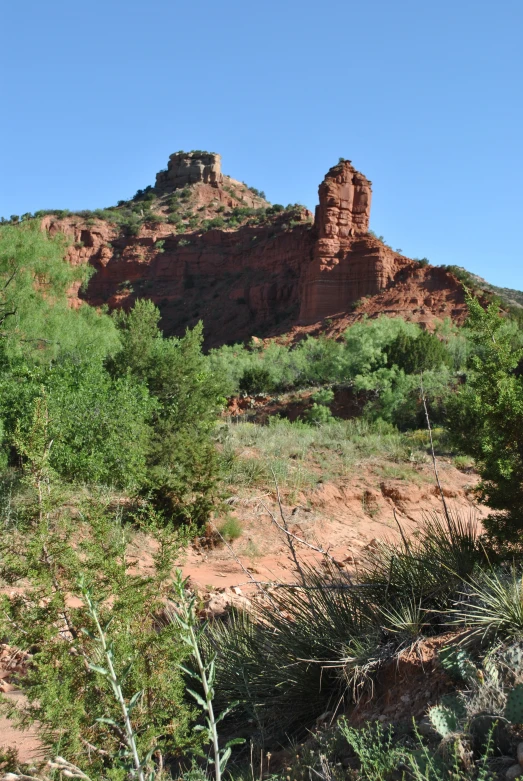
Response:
column 217, row 251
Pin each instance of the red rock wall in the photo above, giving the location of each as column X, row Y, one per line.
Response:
column 348, row 264
column 265, row 279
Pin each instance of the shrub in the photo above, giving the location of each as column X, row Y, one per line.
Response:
column 182, row 468
column 255, row 380
column 216, row 222
column 303, row 653
column 415, row 354
column 231, row 528
column 486, row 420
column 67, row 686
column 320, row 412
column 492, row 606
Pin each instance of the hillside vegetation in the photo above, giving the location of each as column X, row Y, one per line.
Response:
column 109, row 430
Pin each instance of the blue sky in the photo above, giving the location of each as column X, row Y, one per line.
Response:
column 424, row 97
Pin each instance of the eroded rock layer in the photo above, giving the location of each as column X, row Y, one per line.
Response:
column 186, row 168
column 258, row 279
column 348, row 263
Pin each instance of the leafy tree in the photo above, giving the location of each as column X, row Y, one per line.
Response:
column 92, row 419
column 415, row 354
column 36, row 320
column 95, row 418
column 182, row 466
column 486, row 419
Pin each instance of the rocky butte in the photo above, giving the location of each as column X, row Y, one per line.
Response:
column 204, row 246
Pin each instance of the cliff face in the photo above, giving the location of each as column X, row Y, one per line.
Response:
column 276, row 273
column 348, row 264
column 184, row 169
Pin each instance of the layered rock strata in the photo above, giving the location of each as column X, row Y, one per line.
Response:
column 186, row 168
column 260, row 279
column 348, row 264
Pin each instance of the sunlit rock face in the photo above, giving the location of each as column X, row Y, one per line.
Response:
column 186, row 168
column 279, row 275
column 348, row 264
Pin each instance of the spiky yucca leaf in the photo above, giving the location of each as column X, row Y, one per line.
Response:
column 407, row 619
column 493, row 605
column 287, row 665
column 429, row 565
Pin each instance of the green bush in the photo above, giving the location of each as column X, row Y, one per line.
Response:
column 182, row 467
column 486, row 419
column 319, row 412
column 68, row 697
column 255, row 380
column 231, row 528
column 415, row 354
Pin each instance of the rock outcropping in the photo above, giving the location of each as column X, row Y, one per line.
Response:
column 277, row 272
column 190, row 168
column 348, row 263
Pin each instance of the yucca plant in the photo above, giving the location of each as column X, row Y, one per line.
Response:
column 492, row 606
column 288, row 665
column 407, row 620
column 430, row 565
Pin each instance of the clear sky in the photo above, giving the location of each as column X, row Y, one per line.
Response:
column 424, row 96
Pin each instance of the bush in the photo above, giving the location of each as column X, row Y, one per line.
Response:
column 416, row 354
column 320, row 412
column 216, row 222
column 182, row 467
column 486, row 420
column 287, row 667
column 114, row 615
column 231, row 528
column 255, row 380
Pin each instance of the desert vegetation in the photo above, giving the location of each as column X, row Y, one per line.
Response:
column 111, row 430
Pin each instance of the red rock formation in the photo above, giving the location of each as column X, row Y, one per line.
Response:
column 348, row 263
column 189, row 168
column 263, row 279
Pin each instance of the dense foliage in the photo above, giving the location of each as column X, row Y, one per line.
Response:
column 487, row 418
column 379, row 360
column 181, row 458
column 107, row 382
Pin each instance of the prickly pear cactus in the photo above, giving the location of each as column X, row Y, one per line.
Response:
column 513, row 658
column 514, row 706
column 458, row 664
column 443, row 719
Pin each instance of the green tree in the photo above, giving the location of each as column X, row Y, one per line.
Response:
column 486, row 419
column 36, row 320
column 92, row 419
column 415, row 354
column 182, row 464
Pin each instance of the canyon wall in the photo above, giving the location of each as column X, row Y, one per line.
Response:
column 265, row 279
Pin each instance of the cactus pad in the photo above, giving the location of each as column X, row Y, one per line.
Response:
column 514, row 706
column 457, row 663
column 443, row 719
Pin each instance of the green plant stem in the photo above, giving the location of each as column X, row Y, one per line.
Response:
column 208, row 700
column 117, row 689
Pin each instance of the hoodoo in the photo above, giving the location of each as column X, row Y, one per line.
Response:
column 348, row 263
